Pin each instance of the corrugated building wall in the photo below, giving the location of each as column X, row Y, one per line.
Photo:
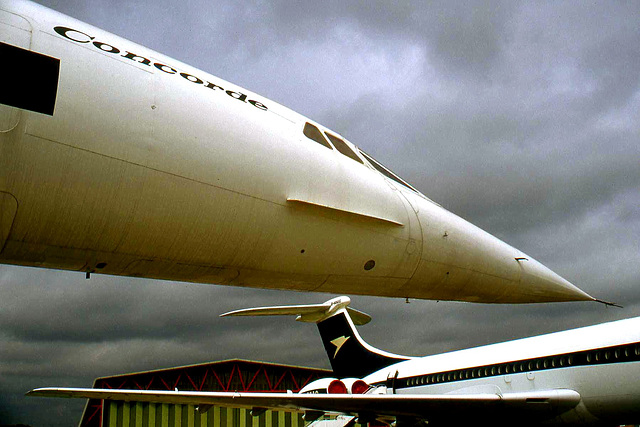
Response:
column 229, row 375
column 138, row 414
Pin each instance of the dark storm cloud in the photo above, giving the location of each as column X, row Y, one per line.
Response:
column 520, row 117
column 463, row 37
column 549, row 127
column 72, row 310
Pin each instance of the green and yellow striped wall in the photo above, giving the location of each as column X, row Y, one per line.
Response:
column 140, row 414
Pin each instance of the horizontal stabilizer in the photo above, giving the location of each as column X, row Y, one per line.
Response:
column 348, row 354
column 314, row 313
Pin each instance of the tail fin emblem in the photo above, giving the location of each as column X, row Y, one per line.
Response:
column 339, row 342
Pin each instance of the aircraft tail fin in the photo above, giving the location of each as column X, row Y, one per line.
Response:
column 349, row 355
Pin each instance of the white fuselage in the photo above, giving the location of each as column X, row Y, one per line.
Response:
column 148, row 167
column 601, row 363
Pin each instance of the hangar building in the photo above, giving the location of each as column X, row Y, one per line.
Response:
column 227, row 375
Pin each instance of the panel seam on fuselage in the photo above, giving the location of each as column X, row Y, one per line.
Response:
column 176, row 175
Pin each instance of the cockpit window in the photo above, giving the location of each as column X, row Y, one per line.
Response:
column 386, row 172
column 342, row 147
column 312, row 132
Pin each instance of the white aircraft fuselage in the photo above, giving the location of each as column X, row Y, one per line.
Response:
column 600, row 363
column 123, row 161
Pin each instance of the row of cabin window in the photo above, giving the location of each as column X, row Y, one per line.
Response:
column 315, row 134
column 592, row 357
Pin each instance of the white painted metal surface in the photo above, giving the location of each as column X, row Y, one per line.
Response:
column 148, row 167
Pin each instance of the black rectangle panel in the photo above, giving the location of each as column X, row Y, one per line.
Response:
column 28, row 80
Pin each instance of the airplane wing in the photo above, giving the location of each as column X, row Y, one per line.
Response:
column 543, row 404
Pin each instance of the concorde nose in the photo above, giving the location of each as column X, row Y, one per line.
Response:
column 462, row 262
column 543, row 281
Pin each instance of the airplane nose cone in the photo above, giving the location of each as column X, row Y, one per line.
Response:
column 462, row 262
column 542, row 283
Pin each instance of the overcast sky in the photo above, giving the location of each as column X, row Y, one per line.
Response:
column 521, row 117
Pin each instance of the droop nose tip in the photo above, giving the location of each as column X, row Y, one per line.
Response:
column 547, row 285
